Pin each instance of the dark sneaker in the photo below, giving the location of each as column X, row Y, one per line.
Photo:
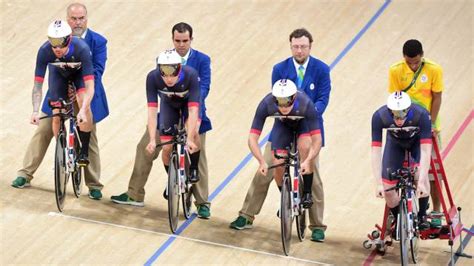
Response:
column 126, row 200
column 307, row 200
column 423, row 225
column 21, row 182
column 83, row 160
column 435, row 219
column 317, row 235
column 203, row 211
column 241, row 223
column 95, row 194
column 194, row 177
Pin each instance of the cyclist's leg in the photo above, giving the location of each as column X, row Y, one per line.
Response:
column 142, row 167
column 194, row 157
column 58, row 90
column 304, row 146
column 84, row 129
column 393, row 157
column 282, row 138
column 422, row 201
column 167, row 120
column 36, row 149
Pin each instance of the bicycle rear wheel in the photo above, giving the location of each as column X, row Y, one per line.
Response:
column 285, row 214
column 60, row 173
column 301, row 218
column 173, row 193
column 403, row 230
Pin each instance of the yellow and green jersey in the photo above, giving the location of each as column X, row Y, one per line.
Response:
column 429, row 80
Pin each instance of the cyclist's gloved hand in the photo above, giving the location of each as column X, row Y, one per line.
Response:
column 34, row 120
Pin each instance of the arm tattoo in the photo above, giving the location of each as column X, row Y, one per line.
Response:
column 36, row 96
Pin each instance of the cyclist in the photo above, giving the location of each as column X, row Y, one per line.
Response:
column 286, row 100
column 414, row 135
column 178, row 89
column 69, row 59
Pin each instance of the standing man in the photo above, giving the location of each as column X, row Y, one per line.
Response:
column 182, row 36
column 77, row 20
column 422, row 79
column 311, row 76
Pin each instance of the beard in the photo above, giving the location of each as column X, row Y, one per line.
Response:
column 77, row 31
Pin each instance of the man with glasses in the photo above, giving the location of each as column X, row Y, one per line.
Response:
column 182, row 36
column 311, row 76
column 77, row 20
column 422, row 79
column 414, row 134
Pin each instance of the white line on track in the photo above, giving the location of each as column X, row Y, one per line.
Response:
column 185, row 238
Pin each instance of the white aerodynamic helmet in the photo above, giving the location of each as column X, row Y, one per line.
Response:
column 169, row 63
column 284, row 92
column 59, row 33
column 399, row 103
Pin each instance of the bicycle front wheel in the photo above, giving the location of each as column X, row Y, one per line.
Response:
column 301, row 218
column 403, row 231
column 285, row 214
column 78, row 171
column 173, row 193
column 187, row 201
column 60, row 172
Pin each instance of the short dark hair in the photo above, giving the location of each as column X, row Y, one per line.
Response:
column 412, row 48
column 298, row 33
column 182, row 27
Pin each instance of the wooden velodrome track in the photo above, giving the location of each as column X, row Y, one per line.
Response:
column 244, row 39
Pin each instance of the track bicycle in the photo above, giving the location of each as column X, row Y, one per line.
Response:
column 179, row 185
column 291, row 193
column 68, row 146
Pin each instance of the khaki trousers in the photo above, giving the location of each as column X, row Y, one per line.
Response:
column 39, row 145
column 259, row 188
column 144, row 163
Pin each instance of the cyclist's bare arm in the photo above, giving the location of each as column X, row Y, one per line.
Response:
column 152, row 125
column 377, row 170
column 88, row 95
column 36, row 96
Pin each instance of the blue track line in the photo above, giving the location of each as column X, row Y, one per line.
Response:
column 247, row 158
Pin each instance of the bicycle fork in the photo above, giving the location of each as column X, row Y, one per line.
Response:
column 182, row 172
column 296, row 197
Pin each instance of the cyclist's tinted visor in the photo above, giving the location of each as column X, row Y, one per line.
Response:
column 170, row 70
column 285, row 101
column 59, row 42
column 400, row 114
